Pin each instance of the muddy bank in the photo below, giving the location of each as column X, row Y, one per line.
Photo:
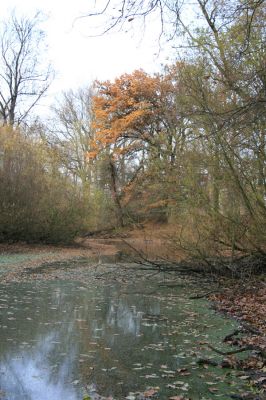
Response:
column 16, row 258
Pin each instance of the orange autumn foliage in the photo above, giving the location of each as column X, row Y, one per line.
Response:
column 128, row 110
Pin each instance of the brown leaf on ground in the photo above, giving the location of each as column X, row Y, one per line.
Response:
column 246, row 302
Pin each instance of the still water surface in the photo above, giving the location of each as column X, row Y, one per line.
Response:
column 61, row 340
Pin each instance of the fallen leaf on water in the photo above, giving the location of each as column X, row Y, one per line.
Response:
column 177, row 398
column 150, row 392
column 213, row 390
column 171, row 386
column 152, row 376
column 183, row 371
column 262, row 379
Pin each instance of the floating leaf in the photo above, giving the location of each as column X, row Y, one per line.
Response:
column 150, row 393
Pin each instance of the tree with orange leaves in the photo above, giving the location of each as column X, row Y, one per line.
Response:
column 130, row 122
column 126, row 109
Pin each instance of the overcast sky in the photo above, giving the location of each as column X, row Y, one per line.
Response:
column 79, row 59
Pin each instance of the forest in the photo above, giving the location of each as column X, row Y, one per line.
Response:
column 133, row 213
column 184, row 146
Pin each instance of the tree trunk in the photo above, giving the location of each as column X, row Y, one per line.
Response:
column 115, row 194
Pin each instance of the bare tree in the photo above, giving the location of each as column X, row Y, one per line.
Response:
column 23, row 79
column 175, row 17
column 71, row 133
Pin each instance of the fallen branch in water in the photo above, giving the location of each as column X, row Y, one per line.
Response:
column 145, row 260
column 241, row 350
column 204, row 361
column 229, row 337
column 228, row 353
column 171, row 284
column 162, row 265
column 201, row 296
column 251, row 329
column 248, row 396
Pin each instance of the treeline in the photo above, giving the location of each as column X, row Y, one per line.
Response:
column 188, row 145
column 37, row 201
column 185, row 146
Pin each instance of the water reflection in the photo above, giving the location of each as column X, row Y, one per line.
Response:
column 30, row 375
column 125, row 318
column 59, row 337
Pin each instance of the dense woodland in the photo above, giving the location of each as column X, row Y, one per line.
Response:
column 185, row 146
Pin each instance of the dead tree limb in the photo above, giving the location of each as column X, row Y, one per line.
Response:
column 228, row 353
column 201, row 296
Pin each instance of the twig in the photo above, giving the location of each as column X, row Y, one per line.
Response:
column 228, row 337
column 228, row 353
column 207, row 361
column 171, row 284
column 200, row 296
column 141, row 255
column 250, row 329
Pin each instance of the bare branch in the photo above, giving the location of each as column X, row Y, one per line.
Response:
column 23, row 80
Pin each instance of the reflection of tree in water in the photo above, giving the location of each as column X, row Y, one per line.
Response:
column 91, row 327
column 38, row 353
column 56, row 333
column 117, row 334
column 36, row 374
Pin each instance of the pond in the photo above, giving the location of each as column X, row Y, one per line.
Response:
column 63, row 339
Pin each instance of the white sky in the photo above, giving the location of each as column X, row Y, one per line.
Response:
column 79, row 59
